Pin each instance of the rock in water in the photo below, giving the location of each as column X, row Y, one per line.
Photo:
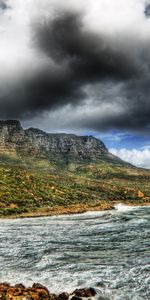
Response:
column 63, row 296
column 85, row 292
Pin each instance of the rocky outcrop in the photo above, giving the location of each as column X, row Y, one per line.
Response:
column 66, row 147
column 40, row 292
column 63, row 148
column 13, row 139
column 10, row 134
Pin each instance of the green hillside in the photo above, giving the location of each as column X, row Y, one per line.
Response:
column 45, row 189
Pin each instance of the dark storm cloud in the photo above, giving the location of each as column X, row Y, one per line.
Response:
column 128, row 108
column 49, row 88
column 3, row 5
column 93, row 58
column 147, row 10
column 134, row 116
column 82, row 58
column 90, row 56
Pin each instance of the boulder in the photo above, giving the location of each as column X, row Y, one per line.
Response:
column 84, row 292
column 63, row 296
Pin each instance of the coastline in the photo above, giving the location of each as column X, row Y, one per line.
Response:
column 73, row 209
column 39, row 292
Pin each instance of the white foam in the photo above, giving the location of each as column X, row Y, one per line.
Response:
column 123, row 207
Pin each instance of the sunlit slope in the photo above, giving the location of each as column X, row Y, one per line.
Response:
column 43, row 188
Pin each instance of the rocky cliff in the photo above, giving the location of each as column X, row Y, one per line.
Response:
column 36, row 143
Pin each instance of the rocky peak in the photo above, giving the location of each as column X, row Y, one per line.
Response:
column 10, row 123
column 10, row 126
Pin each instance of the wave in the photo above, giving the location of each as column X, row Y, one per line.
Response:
column 123, row 207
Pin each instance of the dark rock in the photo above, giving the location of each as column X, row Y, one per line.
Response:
column 63, row 296
column 85, row 292
column 20, row 286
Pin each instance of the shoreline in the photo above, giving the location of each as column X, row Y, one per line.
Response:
column 71, row 210
column 38, row 292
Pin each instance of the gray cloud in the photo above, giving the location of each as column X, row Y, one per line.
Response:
column 90, row 56
column 3, row 5
column 81, row 58
column 80, row 66
column 147, row 10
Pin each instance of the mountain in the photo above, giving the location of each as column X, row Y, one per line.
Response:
column 45, row 174
column 56, row 148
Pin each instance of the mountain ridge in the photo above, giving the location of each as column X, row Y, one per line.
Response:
column 55, row 147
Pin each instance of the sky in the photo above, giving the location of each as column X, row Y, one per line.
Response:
column 79, row 66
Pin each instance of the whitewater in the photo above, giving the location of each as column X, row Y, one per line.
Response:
column 109, row 251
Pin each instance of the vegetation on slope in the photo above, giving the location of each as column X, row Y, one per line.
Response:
column 78, row 187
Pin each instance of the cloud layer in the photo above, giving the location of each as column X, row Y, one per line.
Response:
column 85, row 63
column 139, row 158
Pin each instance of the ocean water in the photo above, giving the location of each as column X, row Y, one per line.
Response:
column 106, row 250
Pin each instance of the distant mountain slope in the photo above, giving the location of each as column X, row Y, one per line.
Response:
column 56, row 148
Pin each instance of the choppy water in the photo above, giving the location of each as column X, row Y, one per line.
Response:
column 106, row 250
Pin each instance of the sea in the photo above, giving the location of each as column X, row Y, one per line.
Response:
column 107, row 250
